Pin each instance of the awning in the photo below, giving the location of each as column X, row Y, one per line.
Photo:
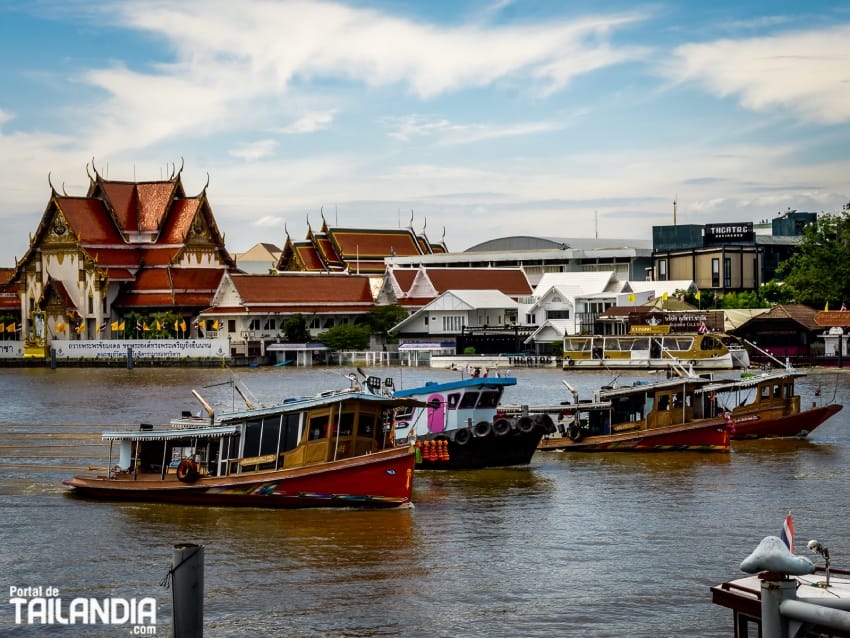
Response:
column 164, row 434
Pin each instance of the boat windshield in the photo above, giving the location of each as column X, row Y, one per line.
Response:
column 679, row 344
column 578, row 344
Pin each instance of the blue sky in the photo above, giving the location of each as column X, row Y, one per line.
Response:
column 473, row 119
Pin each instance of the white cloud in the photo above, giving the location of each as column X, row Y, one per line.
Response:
column 255, row 150
column 309, row 123
column 806, row 72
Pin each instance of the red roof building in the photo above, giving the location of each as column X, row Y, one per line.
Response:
column 123, row 247
column 356, row 250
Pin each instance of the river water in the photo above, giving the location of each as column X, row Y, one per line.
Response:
column 575, row 545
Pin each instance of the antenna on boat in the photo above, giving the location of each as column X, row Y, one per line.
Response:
column 785, row 365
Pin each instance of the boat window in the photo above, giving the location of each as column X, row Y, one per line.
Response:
column 677, row 400
column 640, row 344
column 468, row 401
column 577, row 345
column 453, row 400
column 680, row 344
column 404, row 413
column 489, row 399
column 765, row 392
column 777, row 391
column 345, row 424
column 710, row 343
column 251, row 438
column 290, row 436
column 271, row 435
column 366, row 424
column 663, row 402
column 318, row 428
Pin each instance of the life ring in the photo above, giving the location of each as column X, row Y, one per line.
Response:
column 574, row 432
column 462, row 437
column 482, row 429
column 501, row 427
column 525, row 424
column 187, row 471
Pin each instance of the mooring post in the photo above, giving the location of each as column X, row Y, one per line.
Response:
column 129, row 357
column 773, row 593
column 187, row 581
column 52, row 358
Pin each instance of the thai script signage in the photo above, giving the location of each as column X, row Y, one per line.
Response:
column 11, row 349
column 833, row 318
column 675, row 321
column 720, row 233
column 142, row 349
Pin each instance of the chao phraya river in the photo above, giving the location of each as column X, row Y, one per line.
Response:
column 574, row 545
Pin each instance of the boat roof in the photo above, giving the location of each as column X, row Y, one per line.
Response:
column 165, row 433
column 725, row 385
column 300, row 404
column 609, row 393
column 477, row 382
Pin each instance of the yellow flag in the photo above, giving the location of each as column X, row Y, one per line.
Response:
column 215, row 325
column 182, row 325
column 60, row 327
column 145, row 326
column 158, row 325
column 121, row 326
column 826, row 307
column 10, row 327
column 631, row 298
column 663, row 296
column 696, row 296
column 114, row 326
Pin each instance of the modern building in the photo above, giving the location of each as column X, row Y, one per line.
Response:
column 728, row 257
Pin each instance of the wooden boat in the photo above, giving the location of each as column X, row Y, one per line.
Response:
column 332, row 450
column 708, row 351
column 765, row 405
column 786, row 595
column 463, row 427
column 666, row 415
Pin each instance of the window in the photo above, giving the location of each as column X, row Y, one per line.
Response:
column 315, row 324
column 557, row 314
column 662, row 270
column 715, row 272
column 452, row 323
column 452, row 401
column 727, row 272
column 254, row 324
column 271, row 324
column 468, row 401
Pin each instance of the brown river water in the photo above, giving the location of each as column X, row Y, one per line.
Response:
column 606, row 544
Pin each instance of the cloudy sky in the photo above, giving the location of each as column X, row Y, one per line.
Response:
column 473, row 119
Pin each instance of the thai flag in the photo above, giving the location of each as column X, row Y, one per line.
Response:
column 788, row 533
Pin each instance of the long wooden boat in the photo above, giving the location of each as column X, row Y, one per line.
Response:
column 709, row 351
column 461, row 425
column 786, row 595
column 332, row 450
column 661, row 416
column 765, row 405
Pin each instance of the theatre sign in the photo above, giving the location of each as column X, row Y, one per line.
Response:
column 721, row 233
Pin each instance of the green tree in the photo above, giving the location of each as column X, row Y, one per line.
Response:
column 347, row 336
column 295, row 329
column 381, row 318
column 819, row 270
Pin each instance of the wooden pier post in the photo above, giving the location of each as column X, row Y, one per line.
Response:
column 129, row 357
column 187, row 581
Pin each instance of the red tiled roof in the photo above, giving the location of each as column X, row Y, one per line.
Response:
column 154, row 199
column 327, row 252
column 373, row 243
column 293, row 308
column 510, row 281
column 309, row 257
column 89, row 220
column 404, row 277
column 183, row 211
column 283, row 288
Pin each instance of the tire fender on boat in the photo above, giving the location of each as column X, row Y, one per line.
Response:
column 462, row 436
column 482, row 429
column 574, row 432
column 525, row 424
column 187, row 471
column 545, row 422
column 501, row 427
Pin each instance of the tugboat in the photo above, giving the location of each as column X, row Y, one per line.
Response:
column 462, row 426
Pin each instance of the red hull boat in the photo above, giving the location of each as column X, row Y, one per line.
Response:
column 334, row 450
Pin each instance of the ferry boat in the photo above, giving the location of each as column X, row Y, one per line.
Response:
column 702, row 351
column 660, row 416
column 331, row 450
column 786, row 595
column 765, row 405
column 460, row 425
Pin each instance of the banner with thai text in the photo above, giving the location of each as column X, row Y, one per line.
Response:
column 142, row 349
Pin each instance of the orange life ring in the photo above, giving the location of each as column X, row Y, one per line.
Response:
column 187, row 471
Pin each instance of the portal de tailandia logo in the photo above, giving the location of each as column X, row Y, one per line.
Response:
column 45, row 605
